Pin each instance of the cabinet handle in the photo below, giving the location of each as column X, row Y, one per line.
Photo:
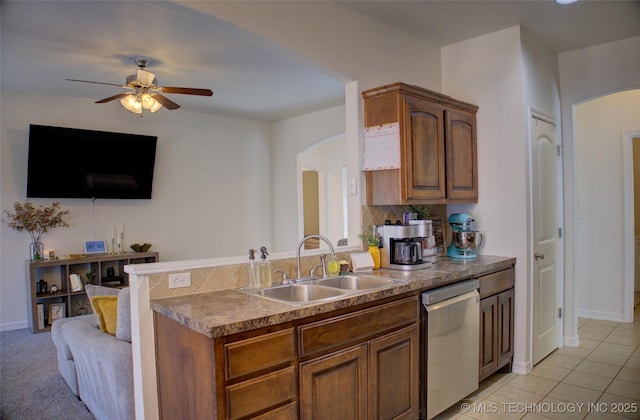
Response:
column 538, row 255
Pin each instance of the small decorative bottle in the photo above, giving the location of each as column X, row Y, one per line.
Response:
column 264, row 269
column 374, row 250
column 253, row 281
column 333, row 266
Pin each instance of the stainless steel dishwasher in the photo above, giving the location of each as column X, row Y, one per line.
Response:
column 452, row 344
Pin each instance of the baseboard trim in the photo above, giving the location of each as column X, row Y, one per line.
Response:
column 521, row 368
column 14, row 325
column 602, row 316
column 572, row 341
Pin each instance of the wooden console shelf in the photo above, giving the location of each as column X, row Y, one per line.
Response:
column 107, row 269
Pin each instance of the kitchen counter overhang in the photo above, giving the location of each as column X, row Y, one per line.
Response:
column 226, row 312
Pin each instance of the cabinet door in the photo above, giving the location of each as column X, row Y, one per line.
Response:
column 488, row 336
column 393, row 375
column 505, row 327
column 462, row 160
column 423, row 151
column 335, row 387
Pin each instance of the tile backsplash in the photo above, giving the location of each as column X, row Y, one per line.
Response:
column 235, row 275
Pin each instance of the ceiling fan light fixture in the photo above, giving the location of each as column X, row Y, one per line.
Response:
column 566, row 1
column 141, row 86
column 147, row 101
column 132, row 103
column 156, row 106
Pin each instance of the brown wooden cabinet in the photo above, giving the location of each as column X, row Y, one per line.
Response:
column 438, row 147
column 496, row 321
column 231, row 377
column 378, row 379
column 335, row 386
column 394, row 375
column 260, row 374
column 354, row 365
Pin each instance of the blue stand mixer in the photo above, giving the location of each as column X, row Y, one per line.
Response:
column 464, row 240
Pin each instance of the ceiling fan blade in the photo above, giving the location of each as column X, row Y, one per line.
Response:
column 187, row 91
column 97, row 83
column 165, row 102
column 113, row 98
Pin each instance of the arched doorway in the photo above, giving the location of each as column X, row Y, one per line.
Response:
column 603, row 251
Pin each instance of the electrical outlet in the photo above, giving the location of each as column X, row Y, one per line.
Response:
column 179, row 280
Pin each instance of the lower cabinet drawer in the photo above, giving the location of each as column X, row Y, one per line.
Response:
column 262, row 352
column 288, row 412
column 358, row 326
column 496, row 282
column 261, row 393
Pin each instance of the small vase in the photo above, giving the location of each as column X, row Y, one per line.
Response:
column 37, row 250
column 375, row 254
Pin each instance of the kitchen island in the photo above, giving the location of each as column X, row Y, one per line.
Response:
column 228, row 354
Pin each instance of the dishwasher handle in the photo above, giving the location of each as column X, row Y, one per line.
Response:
column 447, row 292
column 472, row 295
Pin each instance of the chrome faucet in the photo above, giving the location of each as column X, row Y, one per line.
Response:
column 323, row 264
column 327, row 241
column 285, row 276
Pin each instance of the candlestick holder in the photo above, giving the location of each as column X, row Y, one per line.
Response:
column 113, row 245
column 121, row 243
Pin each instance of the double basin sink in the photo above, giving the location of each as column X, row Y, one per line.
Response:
column 323, row 289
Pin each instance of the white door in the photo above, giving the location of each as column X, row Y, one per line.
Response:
column 544, row 171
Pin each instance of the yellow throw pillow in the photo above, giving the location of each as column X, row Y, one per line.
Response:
column 106, row 308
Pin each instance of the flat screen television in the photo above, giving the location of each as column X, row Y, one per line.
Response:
column 75, row 163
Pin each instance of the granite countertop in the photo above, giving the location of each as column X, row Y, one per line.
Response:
column 230, row 311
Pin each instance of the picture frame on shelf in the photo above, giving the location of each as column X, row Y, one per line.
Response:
column 75, row 282
column 95, row 247
column 56, row 311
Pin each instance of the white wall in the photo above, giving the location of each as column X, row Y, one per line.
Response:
column 598, row 127
column 327, row 158
column 541, row 77
column 339, row 41
column 487, row 71
column 291, row 137
column 205, row 204
column 611, row 67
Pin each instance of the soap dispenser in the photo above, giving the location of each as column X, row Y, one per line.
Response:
column 264, row 268
column 253, row 281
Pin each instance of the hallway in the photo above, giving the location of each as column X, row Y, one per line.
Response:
column 600, row 379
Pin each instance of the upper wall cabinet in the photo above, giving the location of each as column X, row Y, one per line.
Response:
column 438, row 147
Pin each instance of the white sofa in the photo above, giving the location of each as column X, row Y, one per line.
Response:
column 97, row 366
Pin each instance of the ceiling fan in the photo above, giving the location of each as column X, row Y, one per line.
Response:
column 145, row 91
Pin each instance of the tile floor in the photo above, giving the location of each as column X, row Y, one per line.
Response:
column 600, row 379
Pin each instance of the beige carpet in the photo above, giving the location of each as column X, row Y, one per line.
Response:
column 30, row 385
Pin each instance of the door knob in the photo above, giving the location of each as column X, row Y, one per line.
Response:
column 538, row 255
